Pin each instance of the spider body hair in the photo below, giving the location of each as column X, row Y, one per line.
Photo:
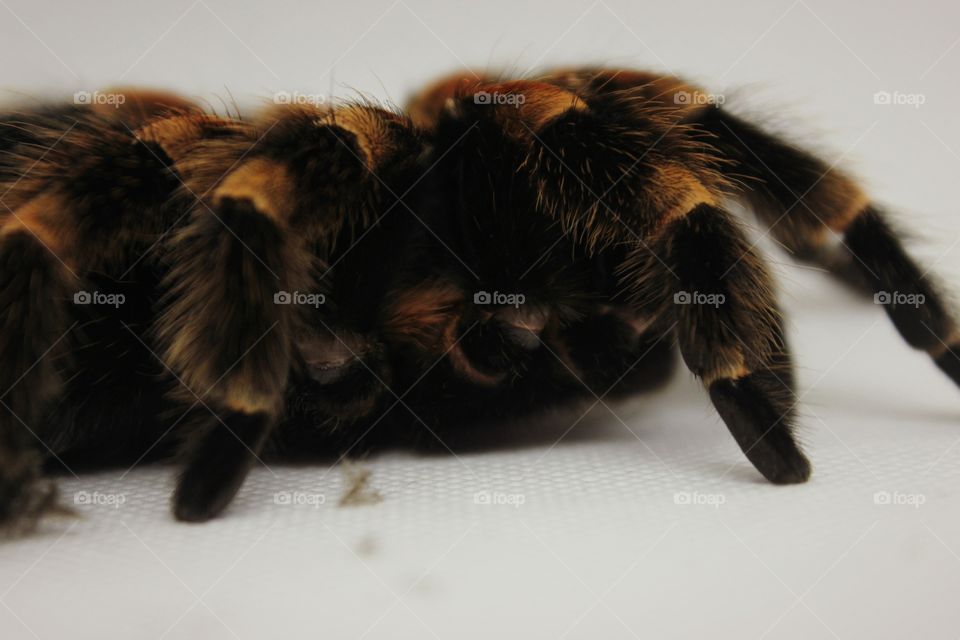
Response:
column 333, row 278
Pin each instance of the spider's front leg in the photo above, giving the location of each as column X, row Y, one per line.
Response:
column 236, row 325
column 730, row 332
column 617, row 171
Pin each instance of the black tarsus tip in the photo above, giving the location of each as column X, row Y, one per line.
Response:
column 217, row 468
column 761, row 429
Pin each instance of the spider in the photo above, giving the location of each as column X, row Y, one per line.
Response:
column 178, row 282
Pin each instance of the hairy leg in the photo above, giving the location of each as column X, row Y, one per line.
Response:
column 821, row 215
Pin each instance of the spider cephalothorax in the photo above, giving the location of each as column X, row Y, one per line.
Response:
column 326, row 276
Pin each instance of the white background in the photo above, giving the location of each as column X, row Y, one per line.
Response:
column 599, row 548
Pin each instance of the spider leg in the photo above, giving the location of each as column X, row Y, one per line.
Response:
column 235, row 328
column 617, row 171
column 609, row 354
column 34, row 292
column 226, row 337
column 809, row 205
column 612, row 348
column 81, row 195
column 730, row 333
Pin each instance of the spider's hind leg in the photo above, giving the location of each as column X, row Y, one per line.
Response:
column 822, row 216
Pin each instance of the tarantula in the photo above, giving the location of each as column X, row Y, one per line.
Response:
column 177, row 281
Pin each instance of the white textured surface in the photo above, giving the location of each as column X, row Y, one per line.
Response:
column 599, row 548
